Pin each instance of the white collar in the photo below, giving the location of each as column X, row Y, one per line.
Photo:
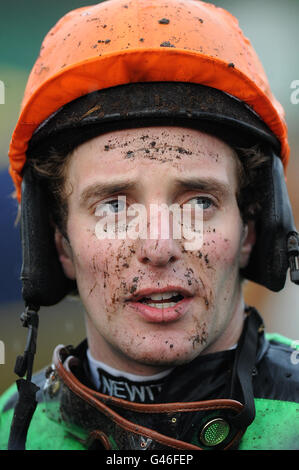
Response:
column 94, row 365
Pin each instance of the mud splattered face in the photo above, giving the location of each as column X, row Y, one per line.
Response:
column 118, row 279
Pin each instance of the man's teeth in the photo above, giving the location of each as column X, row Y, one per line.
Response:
column 163, row 295
column 165, row 305
column 175, row 296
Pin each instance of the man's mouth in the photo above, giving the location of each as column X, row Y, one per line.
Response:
column 163, row 300
column 161, row 305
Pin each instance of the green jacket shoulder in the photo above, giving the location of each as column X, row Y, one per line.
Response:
column 43, row 433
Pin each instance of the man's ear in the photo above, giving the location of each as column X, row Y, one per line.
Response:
column 65, row 255
column 248, row 241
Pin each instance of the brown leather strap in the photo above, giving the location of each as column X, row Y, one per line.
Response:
column 101, row 402
column 98, row 436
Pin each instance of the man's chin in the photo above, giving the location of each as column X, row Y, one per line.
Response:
column 166, row 361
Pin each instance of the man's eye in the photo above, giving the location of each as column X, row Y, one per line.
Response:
column 203, row 201
column 115, row 206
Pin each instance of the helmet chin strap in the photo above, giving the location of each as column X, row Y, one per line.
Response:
column 27, row 402
column 293, row 256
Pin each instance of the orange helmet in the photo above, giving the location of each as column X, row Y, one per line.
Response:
column 119, row 42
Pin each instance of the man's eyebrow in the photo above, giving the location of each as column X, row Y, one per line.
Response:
column 202, row 184
column 105, row 189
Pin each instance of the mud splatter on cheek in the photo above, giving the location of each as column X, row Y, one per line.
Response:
column 198, row 276
column 226, row 252
column 216, row 250
column 118, row 283
column 189, row 275
column 92, row 288
column 200, row 336
column 94, row 265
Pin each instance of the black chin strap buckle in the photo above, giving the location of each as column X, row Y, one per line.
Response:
column 27, row 402
column 24, row 363
column 293, row 256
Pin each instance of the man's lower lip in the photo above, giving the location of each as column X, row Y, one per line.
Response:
column 159, row 315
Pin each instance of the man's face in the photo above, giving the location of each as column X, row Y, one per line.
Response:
column 163, row 165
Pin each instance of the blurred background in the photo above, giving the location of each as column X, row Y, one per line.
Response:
column 272, row 27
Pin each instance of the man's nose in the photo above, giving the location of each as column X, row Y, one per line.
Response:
column 159, row 247
column 158, row 252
